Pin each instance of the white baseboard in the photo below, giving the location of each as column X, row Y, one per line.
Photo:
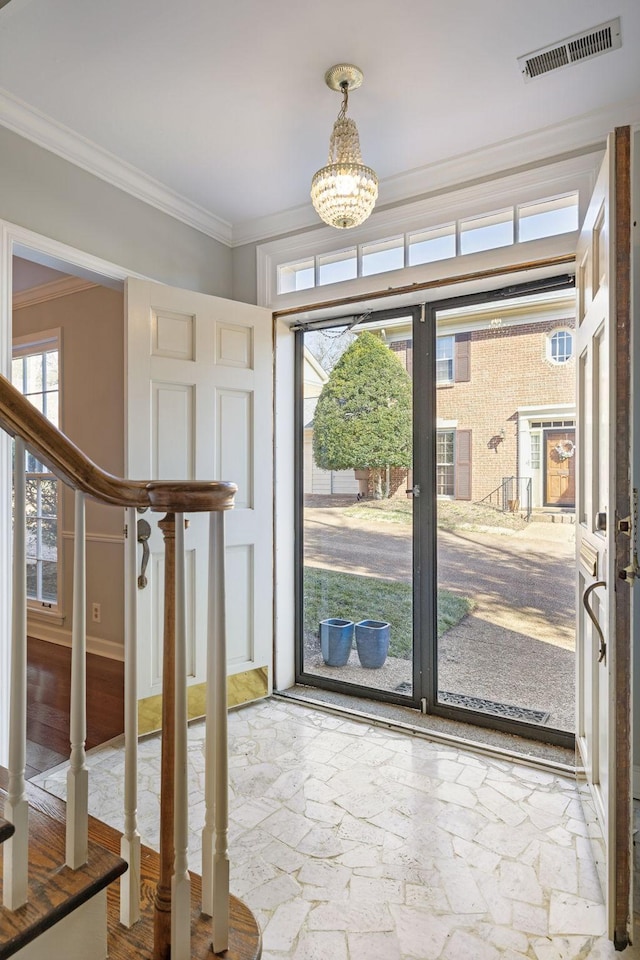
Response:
column 62, row 637
column 636, row 782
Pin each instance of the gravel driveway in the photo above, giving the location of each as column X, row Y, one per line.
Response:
column 516, row 646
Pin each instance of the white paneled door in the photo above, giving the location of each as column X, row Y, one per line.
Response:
column 603, row 528
column 199, row 407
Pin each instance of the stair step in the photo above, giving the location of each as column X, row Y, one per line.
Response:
column 55, row 890
column 245, row 940
column 6, row 830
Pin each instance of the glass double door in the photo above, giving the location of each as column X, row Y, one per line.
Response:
column 425, row 575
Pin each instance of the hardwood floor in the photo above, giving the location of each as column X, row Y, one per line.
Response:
column 48, row 696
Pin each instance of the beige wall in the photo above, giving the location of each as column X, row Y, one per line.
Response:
column 92, row 372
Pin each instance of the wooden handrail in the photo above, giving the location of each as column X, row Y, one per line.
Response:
column 19, row 418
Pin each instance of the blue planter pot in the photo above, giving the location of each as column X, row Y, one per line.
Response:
column 336, row 641
column 372, row 641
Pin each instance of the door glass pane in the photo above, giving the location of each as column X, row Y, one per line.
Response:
column 505, row 442
column 357, row 535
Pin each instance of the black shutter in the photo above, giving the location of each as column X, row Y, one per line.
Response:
column 463, row 465
column 462, row 358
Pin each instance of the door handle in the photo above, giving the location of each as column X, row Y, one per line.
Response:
column 144, row 532
column 594, row 619
column 413, row 491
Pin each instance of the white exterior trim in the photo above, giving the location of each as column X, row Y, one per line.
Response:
column 558, row 411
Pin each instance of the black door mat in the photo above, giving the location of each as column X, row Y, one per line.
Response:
column 508, row 710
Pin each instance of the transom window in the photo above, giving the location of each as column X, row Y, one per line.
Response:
column 488, row 231
column 445, row 451
column 444, row 359
column 560, row 346
column 34, row 371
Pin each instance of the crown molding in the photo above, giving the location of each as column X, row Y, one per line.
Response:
column 582, row 134
column 50, row 291
column 30, row 123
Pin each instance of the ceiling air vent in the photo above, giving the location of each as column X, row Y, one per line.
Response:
column 582, row 46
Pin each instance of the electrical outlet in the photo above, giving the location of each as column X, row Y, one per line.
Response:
column 95, row 612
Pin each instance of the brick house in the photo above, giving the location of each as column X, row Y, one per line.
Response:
column 505, row 400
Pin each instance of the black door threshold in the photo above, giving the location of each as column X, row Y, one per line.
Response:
column 456, row 733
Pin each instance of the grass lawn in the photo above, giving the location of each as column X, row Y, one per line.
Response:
column 329, row 593
column 452, row 514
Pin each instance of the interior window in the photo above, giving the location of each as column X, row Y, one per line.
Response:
column 34, row 371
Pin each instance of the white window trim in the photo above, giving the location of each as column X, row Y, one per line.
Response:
column 452, row 379
column 548, row 346
column 28, row 345
column 553, row 179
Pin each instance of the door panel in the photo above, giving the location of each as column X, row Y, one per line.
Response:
column 199, row 408
column 355, row 520
column 603, row 674
column 560, row 481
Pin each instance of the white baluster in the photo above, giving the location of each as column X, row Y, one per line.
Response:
column 181, row 884
column 77, row 774
column 215, row 857
column 130, row 841
column 16, row 809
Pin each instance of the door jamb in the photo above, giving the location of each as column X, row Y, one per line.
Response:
column 18, row 241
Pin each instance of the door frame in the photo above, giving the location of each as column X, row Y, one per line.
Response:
column 328, row 683
column 19, row 242
column 424, row 693
column 425, row 341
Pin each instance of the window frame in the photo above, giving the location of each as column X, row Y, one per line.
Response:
column 33, row 345
column 551, row 335
column 448, row 381
column 441, row 432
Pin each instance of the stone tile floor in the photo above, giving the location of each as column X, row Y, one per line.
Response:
column 353, row 842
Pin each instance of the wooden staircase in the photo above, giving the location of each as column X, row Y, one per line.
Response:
column 6, row 830
column 56, row 891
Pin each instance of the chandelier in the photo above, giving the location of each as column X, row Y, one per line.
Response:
column 345, row 191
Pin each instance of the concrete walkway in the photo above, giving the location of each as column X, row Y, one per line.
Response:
column 516, row 646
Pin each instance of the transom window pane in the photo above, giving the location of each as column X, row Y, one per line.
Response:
column 334, row 267
column 444, row 359
column 296, row 276
column 431, row 245
column 486, row 233
column 547, row 218
column 382, row 256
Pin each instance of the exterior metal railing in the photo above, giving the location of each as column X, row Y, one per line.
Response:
column 513, row 495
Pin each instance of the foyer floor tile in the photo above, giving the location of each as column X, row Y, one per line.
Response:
column 354, row 842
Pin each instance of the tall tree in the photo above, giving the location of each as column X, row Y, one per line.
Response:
column 363, row 416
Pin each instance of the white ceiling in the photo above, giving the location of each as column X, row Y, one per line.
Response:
column 224, row 103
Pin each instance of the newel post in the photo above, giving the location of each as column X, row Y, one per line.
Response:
column 162, row 916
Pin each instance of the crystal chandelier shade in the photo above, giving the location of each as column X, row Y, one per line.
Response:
column 344, row 192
